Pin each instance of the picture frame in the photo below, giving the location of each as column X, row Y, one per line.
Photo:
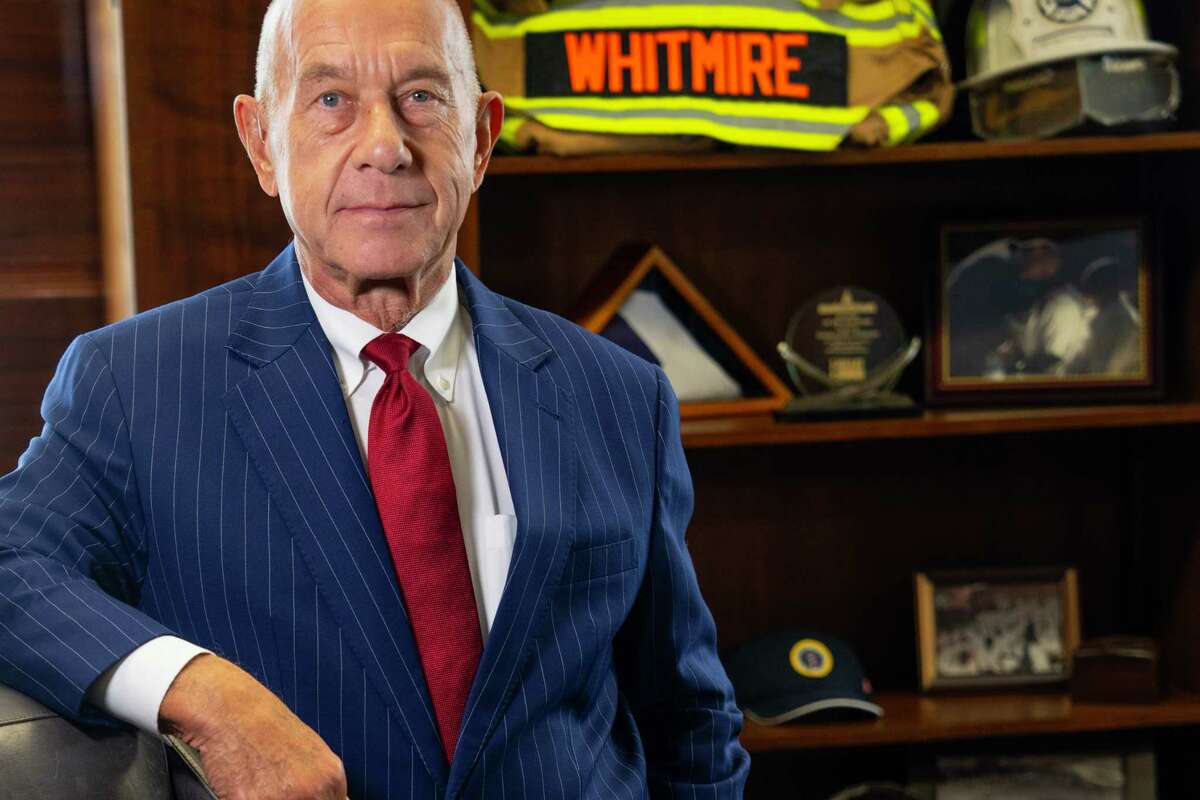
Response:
column 996, row 628
column 1035, row 312
column 1125, row 773
column 649, row 271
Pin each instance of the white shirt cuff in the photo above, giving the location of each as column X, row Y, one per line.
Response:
column 133, row 689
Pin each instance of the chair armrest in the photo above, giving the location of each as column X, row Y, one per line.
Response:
column 50, row 758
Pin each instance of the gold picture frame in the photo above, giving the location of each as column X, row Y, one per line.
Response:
column 996, row 628
column 1052, row 311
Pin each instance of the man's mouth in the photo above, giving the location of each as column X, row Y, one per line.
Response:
column 381, row 208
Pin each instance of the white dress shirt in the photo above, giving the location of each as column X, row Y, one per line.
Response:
column 447, row 365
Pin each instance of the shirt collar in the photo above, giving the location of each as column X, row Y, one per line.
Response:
column 433, row 328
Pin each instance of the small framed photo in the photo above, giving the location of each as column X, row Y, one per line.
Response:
column 996, row 627
column 1035, row 312
column 1078, row 775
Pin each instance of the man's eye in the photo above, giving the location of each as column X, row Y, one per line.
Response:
column 421, row 96
column 331, row 99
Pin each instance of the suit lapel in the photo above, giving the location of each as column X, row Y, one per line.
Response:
column 532, row 417
column 291, row 415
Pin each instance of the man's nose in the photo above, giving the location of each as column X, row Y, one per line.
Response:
column 383, row 144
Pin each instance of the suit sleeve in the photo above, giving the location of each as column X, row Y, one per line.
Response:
column 667, row 651
column 72, row 549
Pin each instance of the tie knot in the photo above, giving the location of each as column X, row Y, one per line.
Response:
column 390, row 351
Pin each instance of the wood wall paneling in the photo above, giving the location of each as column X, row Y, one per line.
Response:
column 33, row 335
column 47, row 171
column 1177, row 24
column 44, row 97
column 48, row 209
column 107, row 64
column 49, row 250
column 1174, row 183
column 200, row 217
column 1170, row 533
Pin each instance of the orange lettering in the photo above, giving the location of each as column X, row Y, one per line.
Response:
column 585, row 62
column 708, row 56
column 738, row 63
column 674, row 40
column 755, row 55
column 620, row 61
column 787, row 65
column 650, row 59
column 731, row 63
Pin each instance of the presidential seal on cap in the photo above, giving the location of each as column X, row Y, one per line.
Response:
column 798, row 674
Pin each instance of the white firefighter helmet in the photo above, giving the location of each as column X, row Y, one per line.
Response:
column 1036, row 68
column 1008, row 36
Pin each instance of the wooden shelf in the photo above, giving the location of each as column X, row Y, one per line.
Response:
column 911, row 718
column 910, row 154
column 760, row 430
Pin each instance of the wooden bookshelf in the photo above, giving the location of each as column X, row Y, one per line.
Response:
column 765, row 430
column 911, row 718
column 751, row 159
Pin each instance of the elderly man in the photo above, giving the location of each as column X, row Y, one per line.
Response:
column 355, row 524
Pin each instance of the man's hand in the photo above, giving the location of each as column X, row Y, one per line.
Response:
column 251, row 745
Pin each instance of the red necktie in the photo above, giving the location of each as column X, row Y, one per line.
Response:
column 418, row 506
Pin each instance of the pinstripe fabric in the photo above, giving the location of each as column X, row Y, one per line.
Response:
column 198, row 475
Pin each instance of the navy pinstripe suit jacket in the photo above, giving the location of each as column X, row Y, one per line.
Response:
column 198, row 475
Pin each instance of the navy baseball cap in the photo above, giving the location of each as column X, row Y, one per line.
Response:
column 795, row 674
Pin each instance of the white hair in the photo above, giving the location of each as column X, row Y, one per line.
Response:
column 277, row 22
column 270, row 43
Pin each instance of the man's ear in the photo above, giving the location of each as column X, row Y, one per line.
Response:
column 249, row 116
column 488, row 121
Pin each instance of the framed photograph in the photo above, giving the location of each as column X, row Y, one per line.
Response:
column 1033, row 312
column 1069, row 775
column 996, row 628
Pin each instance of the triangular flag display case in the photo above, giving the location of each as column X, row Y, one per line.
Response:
column 650, row 273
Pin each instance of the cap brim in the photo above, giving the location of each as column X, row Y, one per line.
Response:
column 787, row 709
column 1145, row 48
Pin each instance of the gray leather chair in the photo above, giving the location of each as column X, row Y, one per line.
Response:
column 46, row 757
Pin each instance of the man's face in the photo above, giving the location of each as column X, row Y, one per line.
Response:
column 1041, row 261
column 373, row 137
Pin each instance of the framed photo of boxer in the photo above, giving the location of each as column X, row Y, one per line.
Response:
column 1052, row 311
column 996, row 627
